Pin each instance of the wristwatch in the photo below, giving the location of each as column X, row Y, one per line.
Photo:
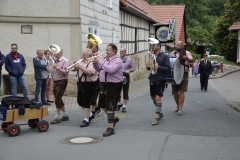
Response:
column 57, row 68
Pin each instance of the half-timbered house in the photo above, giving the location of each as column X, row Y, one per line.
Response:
column 136, row 24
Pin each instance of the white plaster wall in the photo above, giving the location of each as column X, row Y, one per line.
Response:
column 43, row 35
column 97, row 12
column 42, row 8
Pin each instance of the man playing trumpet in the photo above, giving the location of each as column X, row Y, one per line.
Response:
column 110, row 77
column 87, row 83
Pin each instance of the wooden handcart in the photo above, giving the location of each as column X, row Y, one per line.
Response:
column 34, row 117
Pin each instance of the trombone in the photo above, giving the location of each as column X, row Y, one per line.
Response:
column 92, row 40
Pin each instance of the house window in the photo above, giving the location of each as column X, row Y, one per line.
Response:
column 94, row 30
column 113, row 36
column 110, row 3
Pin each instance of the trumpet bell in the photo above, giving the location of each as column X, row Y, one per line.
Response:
column 93, row 40
column 54, row 48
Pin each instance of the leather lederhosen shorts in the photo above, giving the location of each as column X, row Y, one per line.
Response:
column 109, row 95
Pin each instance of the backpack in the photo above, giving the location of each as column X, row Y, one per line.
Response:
column 20, row 102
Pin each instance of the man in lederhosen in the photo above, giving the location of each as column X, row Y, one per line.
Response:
column 128, row 67
column 158, row 80
column 87, row 83
column 110, row 78
column 178, row 90
column 60, row 81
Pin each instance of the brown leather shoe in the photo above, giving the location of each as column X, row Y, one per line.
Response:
column 109, row 132
column 64, row 118
column 55, row 121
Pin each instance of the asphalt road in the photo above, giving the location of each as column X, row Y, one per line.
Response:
column 208, row 130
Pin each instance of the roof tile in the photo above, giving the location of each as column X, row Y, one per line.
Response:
column 235, row 26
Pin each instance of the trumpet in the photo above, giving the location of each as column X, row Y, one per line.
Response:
column 85, row 60
column 92, row 40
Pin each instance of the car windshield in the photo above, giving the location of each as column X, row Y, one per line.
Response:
column 214, row 62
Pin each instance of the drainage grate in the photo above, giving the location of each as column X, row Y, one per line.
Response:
column 81, row 140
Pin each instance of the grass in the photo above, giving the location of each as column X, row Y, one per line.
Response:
column 222, row 60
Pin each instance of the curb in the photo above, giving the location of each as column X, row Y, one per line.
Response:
column 224, row 74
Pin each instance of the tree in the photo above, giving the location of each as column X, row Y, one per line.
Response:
column 227, row 43
column 199, row 35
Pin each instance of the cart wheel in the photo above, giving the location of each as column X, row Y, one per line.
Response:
column 5, row 125
column 32, row 123
column 42, row 126
column 13, row 130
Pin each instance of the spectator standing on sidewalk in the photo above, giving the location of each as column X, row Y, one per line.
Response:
column 60, row 81
column 41, row 74
column 178, row 90
column 110, row 77
column 128, row 67
column 49, row 79
column 205, row 70
column 2, row 61
column 15, row 65
column 158, row 81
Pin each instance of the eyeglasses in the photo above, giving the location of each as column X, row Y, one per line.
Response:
column 13, row 48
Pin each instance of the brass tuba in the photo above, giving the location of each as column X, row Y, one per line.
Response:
column 92, row 40
column 152, row 57
column 54, row 49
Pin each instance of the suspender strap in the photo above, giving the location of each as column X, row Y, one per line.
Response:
column 107, row 72
column 83, row 74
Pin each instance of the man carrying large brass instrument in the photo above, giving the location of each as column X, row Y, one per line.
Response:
column 185, row 58
column 158, row 79
column 60, row 81
column 87, row 83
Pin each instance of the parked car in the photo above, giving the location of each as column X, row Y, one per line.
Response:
column 215, row 64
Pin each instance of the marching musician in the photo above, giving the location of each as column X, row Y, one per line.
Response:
column 110, row 78
column 205, row 70
column 60, row 81
column 158, row 80
column 128, row 67
column 178, row 90
column 87, row 83
column 95, row 109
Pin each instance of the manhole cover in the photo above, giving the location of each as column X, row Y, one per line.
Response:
column 81, row 140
